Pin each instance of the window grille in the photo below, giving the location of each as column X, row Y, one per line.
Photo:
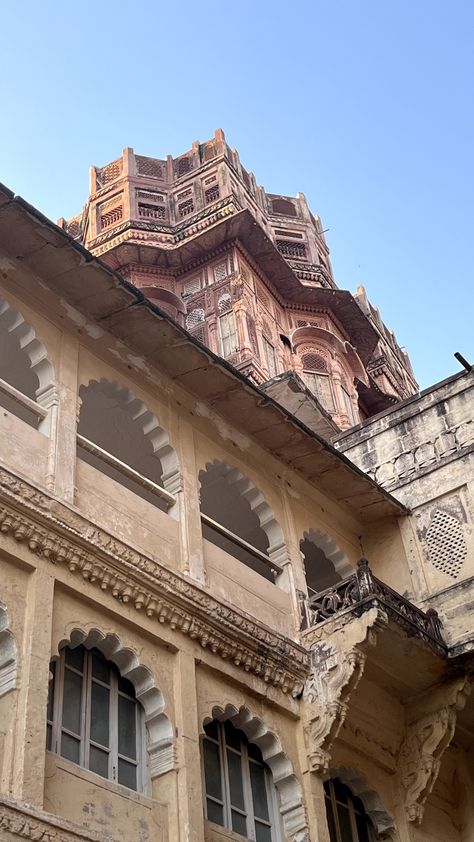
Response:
column 212, row 194
column 239, row 790
column 228, row 333
column 220, row 272
column 224, row 303
column 192, row 286
column 151, row 211
column 150, row 166
column 185, row 208
column 93, row 717
column 183, row 166
column 346, row 817
column 270, row 358
column 288, row 248
column 109, row 173
column 314, row 362
column 111, row 217
column 195, row 318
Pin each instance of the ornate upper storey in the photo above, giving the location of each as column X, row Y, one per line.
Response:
column 248, row 273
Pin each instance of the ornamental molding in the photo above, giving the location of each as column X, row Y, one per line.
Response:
column 335, row 675
column 429, row 731
column 21, row 821
column 62, row 536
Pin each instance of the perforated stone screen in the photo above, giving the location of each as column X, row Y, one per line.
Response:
column 446, row 544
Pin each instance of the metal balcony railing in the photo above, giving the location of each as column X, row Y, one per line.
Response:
column 362, row 590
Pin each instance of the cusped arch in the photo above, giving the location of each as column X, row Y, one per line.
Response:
column 258, row 504
column 331, row 550
column 160, row 733
column 373, row 806
column 147, row 422
column 288, row 787
column 37, row 379
column 8, row 655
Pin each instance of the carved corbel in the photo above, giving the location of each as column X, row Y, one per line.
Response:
column 427, row 737
column 326, row 695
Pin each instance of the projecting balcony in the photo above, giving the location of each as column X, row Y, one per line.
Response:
column 358, row 593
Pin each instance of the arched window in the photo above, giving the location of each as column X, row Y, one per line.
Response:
column 26, row 375
column 347, row 819
column 93, row 717
column 324, row 562
column 118, row 435
column 239, row 790
column 317, row 378
column 236, row 517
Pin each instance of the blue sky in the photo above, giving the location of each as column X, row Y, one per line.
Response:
column 366, row 107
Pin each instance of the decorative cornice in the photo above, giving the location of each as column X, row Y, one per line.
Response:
column 63, row 536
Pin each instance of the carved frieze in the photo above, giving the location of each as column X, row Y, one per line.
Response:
column 62, row 536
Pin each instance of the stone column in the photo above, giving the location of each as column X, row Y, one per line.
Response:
column 62, row 453
column 191, row 543
column 28, row 761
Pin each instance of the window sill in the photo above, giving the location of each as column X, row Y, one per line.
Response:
column 215, row 832
column 98, row 781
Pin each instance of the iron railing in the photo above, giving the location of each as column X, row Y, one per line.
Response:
column 362, row 590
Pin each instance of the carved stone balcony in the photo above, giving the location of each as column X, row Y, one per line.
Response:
column 362, row 591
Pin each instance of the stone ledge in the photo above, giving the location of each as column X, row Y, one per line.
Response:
column 23, row 821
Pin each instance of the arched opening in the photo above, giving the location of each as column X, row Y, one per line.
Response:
column 235, row 731
column 351, row 802
column 236, row 517
column 119, row 436
column 26, row 375
column 325, row 563
column 105, row 712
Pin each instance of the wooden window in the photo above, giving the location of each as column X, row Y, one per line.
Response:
column 239, row 792
column 317, row 379
column 346, row 817
column 220, row 272
column 228, row 333
column 93, row 717
column 270, row 358
column 195, row 317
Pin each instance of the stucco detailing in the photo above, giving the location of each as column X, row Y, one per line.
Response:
column 289, row 789
column 246, row 488
column 8, row 659
column 149, row 425
column 62, row 536
column 21, row 821
column 446, row 544
column 160, row 741
column 359, row 786
column 326, row 694
column 32, row 347
column 429, row 731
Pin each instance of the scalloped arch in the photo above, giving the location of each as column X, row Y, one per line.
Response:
column 373, row 806
column 277, row 548
column 25, row 335
column 288, row 787
column 8, row 655
column 160, row 742
column 331, row 550
column 149, row 425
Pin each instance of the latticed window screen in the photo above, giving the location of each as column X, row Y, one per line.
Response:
column 220, row 272
column 195, row 317
column 224, row 303
column 93, row 718
column 270, row 358
column 239, row 790
column 347, row 819
column 228, row 333
column 317, row 379
column 192, row 286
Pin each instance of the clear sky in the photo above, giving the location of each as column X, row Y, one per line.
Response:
column 367, row 107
